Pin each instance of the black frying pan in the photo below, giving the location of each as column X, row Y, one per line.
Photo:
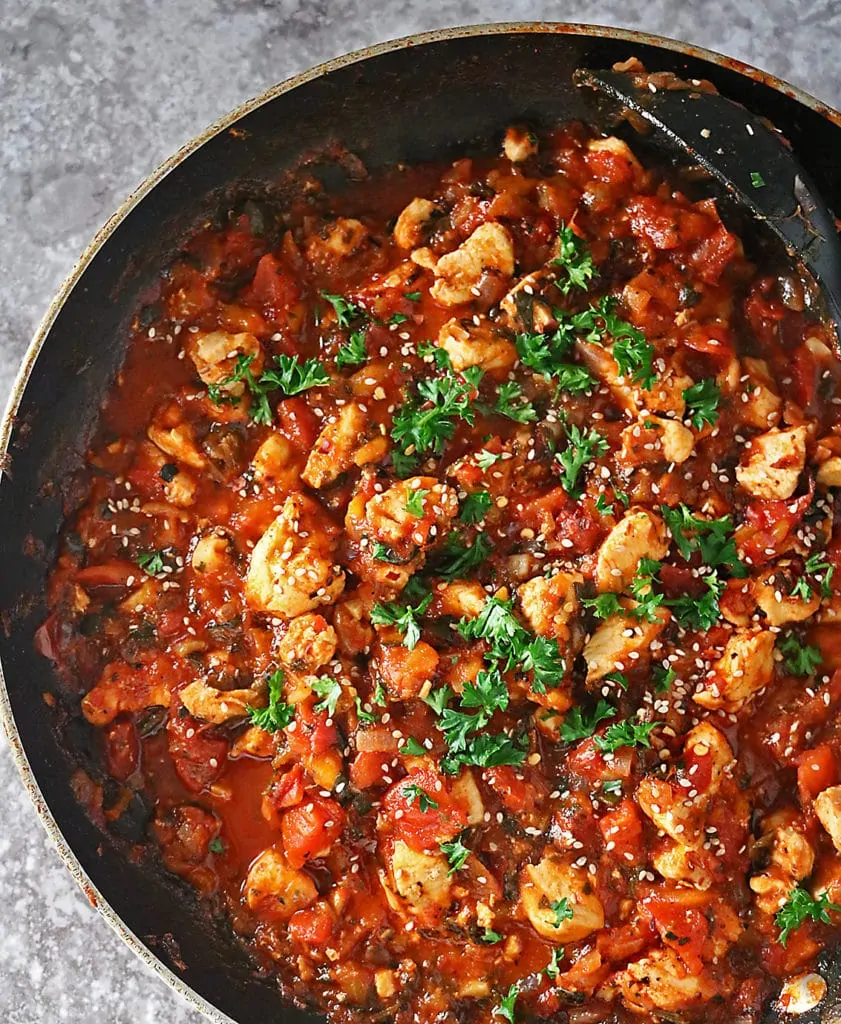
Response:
column 431, row 96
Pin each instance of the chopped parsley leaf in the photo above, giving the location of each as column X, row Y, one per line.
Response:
column 626, row 734
column 383, row 553
column 699, row 612
column 603, row 605
column 553, row 968
column 582, row 447
column 412, row 791
column 329, row 689
column 403, row 617
column 579, row 725
column 663, row 678
column 562, row 911
column 277, row 714
column 642, row 588
column 474, row 507
column 413, row 748
column 574, row 259
column 151, row 562
column 711, row 537
column 512, row 403
column 505, row 1009
column 798, row 907
column 295, row 376
column 412, row 296
column 425, row 426
column 814, row 565
column 354, row 352
column 798, row 658
column 702, row 401
column 397, row 318
column 440, row 356
column 613, row 787
column 604, row 506
column 367, row 717
column 488, row 692
column 490, row 937
column 456, row 853
column 757, row 180
column 459, row 560
column 216, row 845
column 414, row 502
column 573, row 378
column 344, row 309
column 485, row 459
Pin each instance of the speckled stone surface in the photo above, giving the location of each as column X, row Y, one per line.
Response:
column 93, row 95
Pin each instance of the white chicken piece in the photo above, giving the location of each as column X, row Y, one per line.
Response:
column 412, row 225
column 791, row 859
column 418, row 883
column 470, row 344
column 670, row 806
column 211, row 555
column 620, row 151
column 638, row 534
column 773, row 462
column 772, row 592
column 665, row 396
column 745, row 668
column 681, row 863
column 763, row 407
column 522, row 309
column 219, row 706
column 342, row 443
column 620, row 641
column 656, row 439
column 460, row 598
column 829, row 472
column 275, row 890
column 122, row 687
column 519, row 144
column 292, row 569
column 660, row 981
column 489, row 250
column 555, row 880
column 828, row 809
column 308, row 643
column 216, row 353
column 393, row 524
column 549, row 604
column 466, row 793
column 176, row 440
column 339, row 241
column 274, row 463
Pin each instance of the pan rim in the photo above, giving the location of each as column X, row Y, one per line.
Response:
column 155, row 177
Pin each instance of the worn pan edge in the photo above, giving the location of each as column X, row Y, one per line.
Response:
column 19, row 756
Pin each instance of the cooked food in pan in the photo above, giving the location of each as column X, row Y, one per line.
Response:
column 454, row 583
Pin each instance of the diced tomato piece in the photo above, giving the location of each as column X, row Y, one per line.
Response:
column 314, row 925
column 197, row 751
column 764, row 310
column 816, row 771
column 561, row 519
column 681, row 926
column 405, row 671
column 287, row 790
column 421, row 810
column 713, row 253
column 608, row 166
column 122, row 749
column 312, row 735
column 769, row 525
column 298, row 422
column 807, row 372
column 271, row 288
column 310, row 829
column 366, row 769
column 519, row 795
column 622, row 828
column 587, row 761
column 698, row 766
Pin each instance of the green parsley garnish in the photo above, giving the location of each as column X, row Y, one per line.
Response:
column 329, row 689
column 702, row 402
column 456, row 853
column 613, row 787
column 711, row 537
column 426, row 426
column 663, row 678
column 261, row 411
column 383, row 553
column 474, row 507
column 582, row 447
column 413, row 748
column 553, row 968
column 458, row 560
column 562, row 911
column 397, row 318
column 412, row 791
column 344, row 309
column 414, row 502
column 276, row 715
column 412, row 296
column 699, row 612
column 800, row 906
column 573, row 378
column 799, row 659
column 642, row 588
column 440, row 356
column 151, row 562
column 485, row 459
column 294, row 376
column 403, row 617
column 490, row 937
column 626, row 734
column 512, row 403
column 364, row 716
column 354, row 352
column 579, row 725
column 488, row 692
column 505, row 1009
column 216, row 845
column 757, row 180
column 814, row 565
column 574, row 259
column 604, row 506
column 603, row 605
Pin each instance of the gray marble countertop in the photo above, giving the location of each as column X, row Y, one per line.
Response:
column 93, row 95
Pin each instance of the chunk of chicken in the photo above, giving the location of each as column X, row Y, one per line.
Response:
column 414, row 222
column 519, row 144
column 274, row 463
column 482, row 344
column 488, row 251
column 639, row 534
column 621, row 154
column 466, row 794
column 745, row 668
column 790, row 860
column 828, row 809
column 523, row 309
column 656, row 439
column 254, row 742
column 342, row 443
column 181, row 489
column 219, row 706
column 681, row 863
column 461, row 598
column 549, row 604
column 422, row 882
column 216, row 354
column 554, row 879
column 308, row 643
column 773, row 462
column 211, row 554
column 829, row 472
column 660, row 981
column 338, row 241
column 620, row 642
column 665, row 396
column 176, row 438
column 123, row 687
column 762, row 409
column 772, row 592
column 275, row 890
column 292, row 569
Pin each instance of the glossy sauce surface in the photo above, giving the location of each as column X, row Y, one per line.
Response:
column 456, row 584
